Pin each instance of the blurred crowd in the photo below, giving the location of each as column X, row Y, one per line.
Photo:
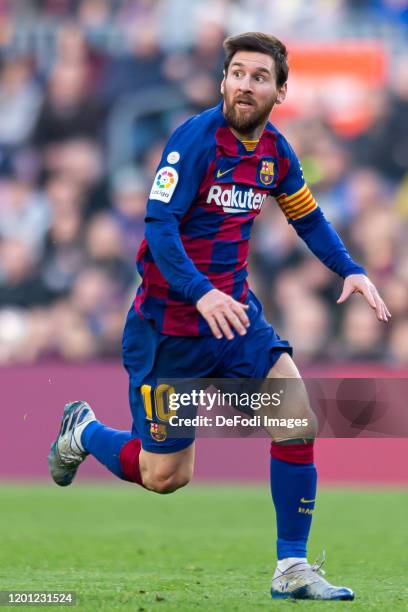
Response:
column 89, row 92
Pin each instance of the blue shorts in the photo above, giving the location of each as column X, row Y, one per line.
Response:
column 149, row 356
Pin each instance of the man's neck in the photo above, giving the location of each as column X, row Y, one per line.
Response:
column 253, row 135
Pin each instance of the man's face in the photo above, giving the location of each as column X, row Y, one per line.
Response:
column 250, row 91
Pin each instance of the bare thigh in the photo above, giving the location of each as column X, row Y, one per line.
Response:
column 285, row 367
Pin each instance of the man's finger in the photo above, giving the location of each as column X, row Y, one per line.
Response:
column 224, row 325
column 366, row 291
column 383, row 310
column 384, row 314
column 380, row 310
column 241, row 314
column 379, row 306
column 214, row 327
column 377, row 303
column 347, row 291
column 235, row 321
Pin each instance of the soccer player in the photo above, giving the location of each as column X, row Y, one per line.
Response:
column 194, row 315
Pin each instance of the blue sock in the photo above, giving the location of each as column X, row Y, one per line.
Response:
column 293, row 487
column 105, row 444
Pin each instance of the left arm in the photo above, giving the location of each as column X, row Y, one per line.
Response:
column 302, row 211
column 325, row 243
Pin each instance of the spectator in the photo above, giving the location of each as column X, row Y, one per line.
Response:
column 68, row 111
column 197, row 71
column 20, row 284
column 96, row 297
column 129, row 196
column 106, row 250
column 20, row 100
column 363, row 339
column 80, row 162
column 25, row 213
column 137, row 71
column 398, row 345
column 64, row 255
column 306, row 323
column 74, row 49
column 13, row 334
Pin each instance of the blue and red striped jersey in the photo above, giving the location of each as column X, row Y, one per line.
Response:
column 208, row 189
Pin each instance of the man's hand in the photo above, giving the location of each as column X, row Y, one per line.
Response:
column 222, row 313
column 359, row 283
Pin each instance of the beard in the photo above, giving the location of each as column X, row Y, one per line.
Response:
column 246, row 120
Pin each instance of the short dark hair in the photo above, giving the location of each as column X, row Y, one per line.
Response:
column 262, row 43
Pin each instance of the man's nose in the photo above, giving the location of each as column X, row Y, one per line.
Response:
column 245, row 84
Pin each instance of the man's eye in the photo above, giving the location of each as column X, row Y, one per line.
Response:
column 260, row 79
column 237, row 73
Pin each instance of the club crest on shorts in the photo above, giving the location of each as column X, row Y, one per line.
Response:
column 267, row 172
column 158, row 431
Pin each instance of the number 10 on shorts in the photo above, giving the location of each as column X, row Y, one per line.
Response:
column 156, row 401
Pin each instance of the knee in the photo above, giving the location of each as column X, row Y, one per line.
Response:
column 162, row 482
column 304, row 423
column 305, row 427
column 306, row 431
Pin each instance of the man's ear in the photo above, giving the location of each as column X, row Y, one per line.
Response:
column 223, row 85
column 282, row 91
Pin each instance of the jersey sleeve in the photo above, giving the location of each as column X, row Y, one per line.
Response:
column 301, row 210
column 175, row 186
column 292, row 193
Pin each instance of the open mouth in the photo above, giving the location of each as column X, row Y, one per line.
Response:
column 244, row 104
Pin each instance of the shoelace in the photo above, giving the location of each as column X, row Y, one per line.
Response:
column 318, row 564
column 316, row 568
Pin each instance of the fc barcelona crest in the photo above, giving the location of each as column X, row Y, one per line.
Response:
column 267, row 172
column 158, row 431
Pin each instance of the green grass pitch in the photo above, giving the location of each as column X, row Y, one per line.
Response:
column 202, row 548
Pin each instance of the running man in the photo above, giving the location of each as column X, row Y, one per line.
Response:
column 194, row 315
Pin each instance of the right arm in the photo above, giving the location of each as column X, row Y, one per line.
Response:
column 163, row 238
column 174, row 188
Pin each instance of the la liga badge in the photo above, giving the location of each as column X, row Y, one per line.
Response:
column 164, row 184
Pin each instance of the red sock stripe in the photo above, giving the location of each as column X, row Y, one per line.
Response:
column 293, row 453
column 129, row 460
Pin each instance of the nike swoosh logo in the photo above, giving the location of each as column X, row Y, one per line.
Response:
column 219, row 173
column 307, row 501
